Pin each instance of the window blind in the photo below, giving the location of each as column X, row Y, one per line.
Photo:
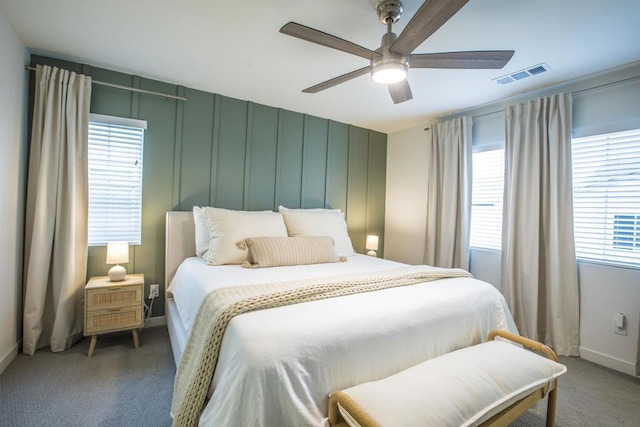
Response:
column 606, row 197
column 486, row 199
column 115, row 180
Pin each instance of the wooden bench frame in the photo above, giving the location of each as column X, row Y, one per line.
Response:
column 503, row 418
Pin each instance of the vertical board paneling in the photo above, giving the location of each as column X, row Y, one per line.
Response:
column 261, row 158
column 337, row 166
column 220, row 151
column 231, row 134
column 157, row 182
column 109, row 100
column 314, row 162
column 376, row 187
column 195, row 162
column 357, row 186
column 290, row 146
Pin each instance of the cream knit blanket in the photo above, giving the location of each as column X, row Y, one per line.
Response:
column 195, row 372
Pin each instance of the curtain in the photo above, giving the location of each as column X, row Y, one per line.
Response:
column 56, row 215
column 449, row 194
column 539, row 270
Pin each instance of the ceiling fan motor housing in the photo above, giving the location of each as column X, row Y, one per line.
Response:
column 389, row 11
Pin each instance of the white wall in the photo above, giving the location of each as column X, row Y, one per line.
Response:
column 598, row 107
column 406, row 204
column 13, row 111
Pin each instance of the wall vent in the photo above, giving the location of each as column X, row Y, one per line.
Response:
column 522, row 74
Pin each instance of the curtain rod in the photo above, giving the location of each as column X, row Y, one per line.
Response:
column 132, row 89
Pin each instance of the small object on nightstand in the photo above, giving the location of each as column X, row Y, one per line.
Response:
column 113, row 306
column 372, row 245
column 117, row 253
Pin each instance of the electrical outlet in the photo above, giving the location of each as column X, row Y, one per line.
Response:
column 154, row 291
column 620, row 324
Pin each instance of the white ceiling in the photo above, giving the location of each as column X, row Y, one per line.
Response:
column 234, row 48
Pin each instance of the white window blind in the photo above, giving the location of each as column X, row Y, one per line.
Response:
column 486, row 199
column 115, row 179
column 606, row 197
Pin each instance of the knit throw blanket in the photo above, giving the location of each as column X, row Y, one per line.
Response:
column 195, row 372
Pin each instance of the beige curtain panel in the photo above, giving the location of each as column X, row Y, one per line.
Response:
column 539, row 270
column 56, row 215
column 449, row 194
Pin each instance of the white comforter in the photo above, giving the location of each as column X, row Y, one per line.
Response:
column 277, row 366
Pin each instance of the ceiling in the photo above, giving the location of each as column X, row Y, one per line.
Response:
column 234, row 48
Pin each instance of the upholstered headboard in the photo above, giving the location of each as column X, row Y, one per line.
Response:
column 180, row 242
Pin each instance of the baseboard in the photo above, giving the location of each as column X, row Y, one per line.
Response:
column 155, row 321
column 8, row 357
column 609, row 361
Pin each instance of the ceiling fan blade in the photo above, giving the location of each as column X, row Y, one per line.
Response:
column 400, row 91
column 489, row 59
column 337, row 80
column 426, row 21
column 324, row 39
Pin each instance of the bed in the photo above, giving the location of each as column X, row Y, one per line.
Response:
column 277, row 366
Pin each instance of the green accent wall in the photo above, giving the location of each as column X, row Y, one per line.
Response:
column 212, row 150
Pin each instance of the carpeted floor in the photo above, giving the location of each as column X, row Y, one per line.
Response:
column 121, row 386
column 118, row 386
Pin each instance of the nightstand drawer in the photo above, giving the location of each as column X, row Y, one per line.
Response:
column 113, row 319
column 114, row 297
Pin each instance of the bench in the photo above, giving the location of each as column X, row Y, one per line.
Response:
column 489, row 384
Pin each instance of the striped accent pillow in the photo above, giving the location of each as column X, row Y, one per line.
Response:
column 278, row 251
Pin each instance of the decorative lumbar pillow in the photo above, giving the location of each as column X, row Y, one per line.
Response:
column 282, row 251
column 202, row 232
column 227, row 228
column 320, row 223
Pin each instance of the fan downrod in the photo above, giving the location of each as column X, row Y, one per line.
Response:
column 389, row 11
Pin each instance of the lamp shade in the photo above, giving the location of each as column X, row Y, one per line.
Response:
column 117, row 253
column 372, row 243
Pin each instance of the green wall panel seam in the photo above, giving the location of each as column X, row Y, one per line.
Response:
column 177, row 150
column 276, row 200
column 215, row 135
column 248, row 139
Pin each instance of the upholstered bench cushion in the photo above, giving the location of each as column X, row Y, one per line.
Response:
column 465, row 387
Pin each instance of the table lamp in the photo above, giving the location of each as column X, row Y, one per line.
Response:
column 372, row 245
column 117, row 253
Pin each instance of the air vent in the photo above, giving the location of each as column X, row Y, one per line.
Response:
column 522, row 74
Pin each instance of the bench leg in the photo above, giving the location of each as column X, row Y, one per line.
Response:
column 551, row 407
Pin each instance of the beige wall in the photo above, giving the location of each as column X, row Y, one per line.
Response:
column 406, row 204
column 604, row 103
column 13, row 108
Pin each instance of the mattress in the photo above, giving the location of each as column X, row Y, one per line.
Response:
column 277, row 366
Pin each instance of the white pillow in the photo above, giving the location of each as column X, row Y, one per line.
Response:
column 303, row 222
column 203, row 236
column 228, row 228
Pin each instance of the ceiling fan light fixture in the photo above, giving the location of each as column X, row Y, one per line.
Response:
column 389, row 73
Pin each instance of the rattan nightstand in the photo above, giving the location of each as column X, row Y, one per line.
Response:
column 113, row 306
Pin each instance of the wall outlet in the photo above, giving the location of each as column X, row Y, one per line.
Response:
column 154, row 291
column 620, row 324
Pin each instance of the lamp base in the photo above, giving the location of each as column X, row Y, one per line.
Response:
column 372, row 253
column 117, row 273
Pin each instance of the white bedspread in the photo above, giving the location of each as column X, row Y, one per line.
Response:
column 277, row 366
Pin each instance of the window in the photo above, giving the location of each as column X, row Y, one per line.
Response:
column 486, row 199
column 115, row 179
column 606, row 197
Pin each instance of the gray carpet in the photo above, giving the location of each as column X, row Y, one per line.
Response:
column 120, row 386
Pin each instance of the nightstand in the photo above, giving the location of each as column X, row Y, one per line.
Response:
column 113, row 306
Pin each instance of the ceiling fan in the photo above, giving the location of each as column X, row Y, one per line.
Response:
column 390, row 63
